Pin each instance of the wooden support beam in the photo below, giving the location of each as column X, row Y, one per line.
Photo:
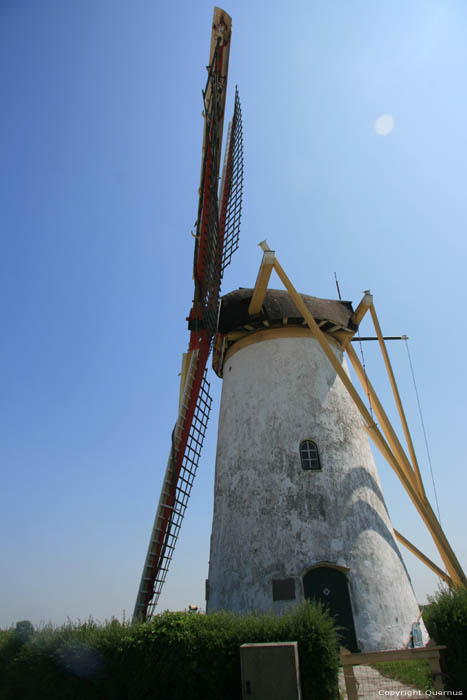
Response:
column 326, row 347
column 358, row 315
column 375, row 657
column 424, row 508
column 431, row 565
column 397, row 398
column 436, row 674
column 343, row 336
column 439, row 538
column 183, row 373
column 416, row 494
column 261, row 283
column 382, row 417
column 221, row 28
column 362, row 308
column 350, row 682
column 383, row 447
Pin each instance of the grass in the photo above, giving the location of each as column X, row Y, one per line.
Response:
column 414, row 673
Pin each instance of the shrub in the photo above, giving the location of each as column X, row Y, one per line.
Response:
column 24, row 630
column 176, row 656
column 446, row 621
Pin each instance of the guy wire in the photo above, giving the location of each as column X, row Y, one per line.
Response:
column 424, row 431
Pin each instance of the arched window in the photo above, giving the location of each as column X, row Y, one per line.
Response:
column 309, row 455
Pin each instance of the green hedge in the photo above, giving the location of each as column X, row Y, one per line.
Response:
column 446, row 622
column 176, row 656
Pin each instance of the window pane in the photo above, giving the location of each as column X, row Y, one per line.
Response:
column 309, row 455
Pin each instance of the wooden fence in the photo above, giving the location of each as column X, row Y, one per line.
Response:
column 429, row 653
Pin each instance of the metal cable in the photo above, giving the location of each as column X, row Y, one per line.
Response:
column 423, row 427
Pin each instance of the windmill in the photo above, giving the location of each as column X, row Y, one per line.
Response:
column 298, row 505
column 216, row 239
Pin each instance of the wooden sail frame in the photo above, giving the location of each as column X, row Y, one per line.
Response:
column 208, row 263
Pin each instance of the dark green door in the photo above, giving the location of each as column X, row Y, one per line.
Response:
column 330, row 587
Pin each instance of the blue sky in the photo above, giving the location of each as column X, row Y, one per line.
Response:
column 100, row 138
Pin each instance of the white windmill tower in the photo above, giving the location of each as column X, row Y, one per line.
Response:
column 298, row 507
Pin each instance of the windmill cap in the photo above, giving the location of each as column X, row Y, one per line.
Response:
column 277, row 306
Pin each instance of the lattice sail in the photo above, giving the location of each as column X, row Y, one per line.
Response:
column 218, row 227
column 232, row 187
column 187, row 442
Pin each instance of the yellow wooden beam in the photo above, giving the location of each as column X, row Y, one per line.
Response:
column 431, row 565
column 264, row 246
column 362, row 308
column 357, row 317
column 444, row 548
column 424, row 508
column 381, row 444
column 262, row 282
column 325, row 346
column 423, row 505
column 397, row 398
column 382, row 417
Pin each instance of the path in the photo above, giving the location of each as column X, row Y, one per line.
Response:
column 371, row 685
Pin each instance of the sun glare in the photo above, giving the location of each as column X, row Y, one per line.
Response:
column 384, row 124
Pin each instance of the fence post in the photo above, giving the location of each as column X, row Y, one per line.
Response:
column 435, row 670
column 349, row 677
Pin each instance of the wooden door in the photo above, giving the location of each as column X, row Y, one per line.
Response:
column 330, row 586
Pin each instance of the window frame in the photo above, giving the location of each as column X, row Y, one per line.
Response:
column 306, row 459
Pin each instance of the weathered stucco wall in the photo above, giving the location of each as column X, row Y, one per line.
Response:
column 273, row 520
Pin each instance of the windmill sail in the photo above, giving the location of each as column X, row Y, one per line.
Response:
column 195, row 402
column 232, row 188
column 187, row 442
